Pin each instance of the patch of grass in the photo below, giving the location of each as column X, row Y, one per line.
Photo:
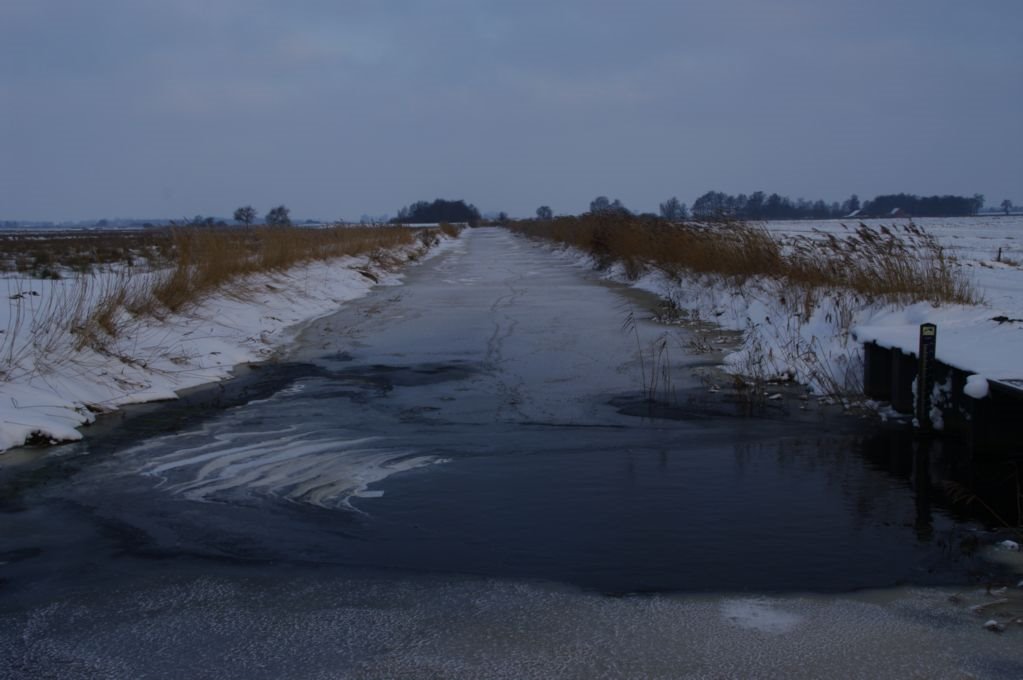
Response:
column 43, row 254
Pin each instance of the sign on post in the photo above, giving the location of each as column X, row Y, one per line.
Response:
column 925, row 374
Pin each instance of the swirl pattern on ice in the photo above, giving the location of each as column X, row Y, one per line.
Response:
column 324, row 467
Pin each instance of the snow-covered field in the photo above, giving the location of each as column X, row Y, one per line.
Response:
column 49, row 388
column 824, row 349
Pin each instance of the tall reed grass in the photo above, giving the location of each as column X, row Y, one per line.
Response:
column 156, row 274
column 823, row 277
column 205, row 260
column 898, row 264
column 894, row 265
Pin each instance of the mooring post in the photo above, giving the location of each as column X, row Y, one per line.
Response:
column 925, row 375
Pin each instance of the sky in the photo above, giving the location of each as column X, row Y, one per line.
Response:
column 172, row 108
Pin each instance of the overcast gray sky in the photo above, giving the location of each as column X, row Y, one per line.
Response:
column 180, row 107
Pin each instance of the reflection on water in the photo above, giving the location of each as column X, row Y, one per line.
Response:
column 941, row 476
column 943, row 472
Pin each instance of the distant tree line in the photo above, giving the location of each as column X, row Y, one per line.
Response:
column 440, row 210
column 713, row 204
column 760, row 206
column 925, row 206
column 602, row 205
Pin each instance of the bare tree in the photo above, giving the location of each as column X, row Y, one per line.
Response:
column 1007, row 206
column 278, row 217
column 603, row 205
column 246, row 215
column 672, row 210
column 544, row 212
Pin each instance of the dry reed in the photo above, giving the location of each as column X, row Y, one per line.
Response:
column 102, row 289
column 893, row 265
column 207, row 259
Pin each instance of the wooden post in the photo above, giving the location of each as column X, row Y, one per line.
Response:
column 925, row 375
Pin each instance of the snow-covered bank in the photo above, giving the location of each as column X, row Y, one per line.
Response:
column 984, row 339
column 56, row 388
column 815, row 337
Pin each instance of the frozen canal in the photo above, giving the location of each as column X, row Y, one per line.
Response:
column 457, row 478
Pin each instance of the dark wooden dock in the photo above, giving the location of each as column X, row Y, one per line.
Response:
column 993, row 423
